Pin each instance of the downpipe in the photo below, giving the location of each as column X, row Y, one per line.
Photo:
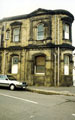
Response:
column 58, row 54
column 55, row 56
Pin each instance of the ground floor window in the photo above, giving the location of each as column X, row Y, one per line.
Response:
column 40, row 64
column 66, row 65
column 14, row 65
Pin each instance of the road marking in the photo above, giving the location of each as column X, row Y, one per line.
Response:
column 26, row 100
column 73, row 115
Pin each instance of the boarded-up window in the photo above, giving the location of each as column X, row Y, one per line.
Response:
column 40, row 64
column 15, row 65
column 66, row 31
column 66, row 65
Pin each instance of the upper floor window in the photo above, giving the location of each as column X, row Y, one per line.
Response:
column 67, row 32
column 16, row 34
column 40, row 32
column 7, row 34
column 16, row 28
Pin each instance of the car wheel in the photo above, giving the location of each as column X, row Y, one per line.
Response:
column 12, row 87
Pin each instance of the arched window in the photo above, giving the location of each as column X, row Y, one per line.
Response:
column 40, row 64
column 40, row 32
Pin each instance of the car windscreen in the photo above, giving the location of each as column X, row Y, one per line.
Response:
column 11, row 77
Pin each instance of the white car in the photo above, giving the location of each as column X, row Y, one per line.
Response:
column 11, row 82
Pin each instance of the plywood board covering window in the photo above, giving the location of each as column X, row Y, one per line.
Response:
column 40, row 64
column 15, row 65
column 66, row 65
column 66, row 31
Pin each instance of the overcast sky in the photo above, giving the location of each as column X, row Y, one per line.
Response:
column 18, row 7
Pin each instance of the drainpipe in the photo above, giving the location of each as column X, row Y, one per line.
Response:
column 55, row 69
column 58, row 53
column 5, row 44
column 55, row 56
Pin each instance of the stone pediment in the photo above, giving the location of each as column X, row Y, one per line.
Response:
column 40, row 11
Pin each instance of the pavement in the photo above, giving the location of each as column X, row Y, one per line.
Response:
column 68, row 91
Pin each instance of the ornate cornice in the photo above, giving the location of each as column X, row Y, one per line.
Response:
column 39, row 12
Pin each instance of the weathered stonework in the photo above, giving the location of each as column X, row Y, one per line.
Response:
column 53, row 47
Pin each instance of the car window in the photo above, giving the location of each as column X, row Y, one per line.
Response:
column 11, row 77
column 2, row 77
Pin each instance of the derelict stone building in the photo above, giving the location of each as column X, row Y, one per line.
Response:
column 37, row 47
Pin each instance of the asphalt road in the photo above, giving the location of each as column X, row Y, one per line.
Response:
column 23, row 105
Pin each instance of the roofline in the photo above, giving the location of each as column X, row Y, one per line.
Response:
column 32, row 14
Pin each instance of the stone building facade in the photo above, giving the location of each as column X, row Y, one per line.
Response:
column 37, row 47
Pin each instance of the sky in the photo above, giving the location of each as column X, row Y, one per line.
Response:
column 19, row 7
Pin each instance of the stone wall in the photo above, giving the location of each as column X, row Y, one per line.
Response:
column 28, row 47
